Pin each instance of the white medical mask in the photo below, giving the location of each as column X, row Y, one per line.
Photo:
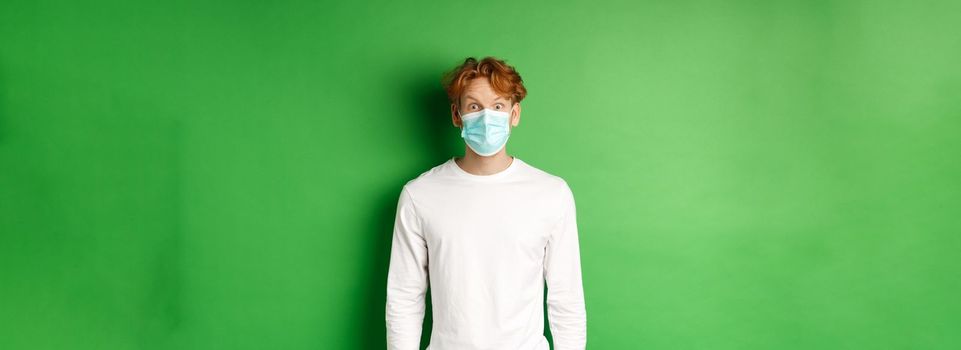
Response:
column 486, row 131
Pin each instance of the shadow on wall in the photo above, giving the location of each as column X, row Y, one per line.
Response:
column 429, row 108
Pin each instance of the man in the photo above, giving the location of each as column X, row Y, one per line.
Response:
column 485, row 231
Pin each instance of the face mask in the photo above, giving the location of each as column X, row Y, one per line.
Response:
column 486, row 131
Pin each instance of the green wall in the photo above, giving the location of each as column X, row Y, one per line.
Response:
column 224, row 175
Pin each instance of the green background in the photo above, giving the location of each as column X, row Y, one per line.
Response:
column 224, row 175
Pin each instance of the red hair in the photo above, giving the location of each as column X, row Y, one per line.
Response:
column 504, row 80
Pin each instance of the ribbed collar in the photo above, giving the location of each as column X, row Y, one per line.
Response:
column 515, row 164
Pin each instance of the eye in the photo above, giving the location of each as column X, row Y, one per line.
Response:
column 473, row 106
column 498, row 106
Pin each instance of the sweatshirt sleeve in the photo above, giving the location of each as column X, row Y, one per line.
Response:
column 565, row 294
column 406, row 278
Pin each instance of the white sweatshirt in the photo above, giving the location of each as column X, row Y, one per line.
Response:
column 486, row 244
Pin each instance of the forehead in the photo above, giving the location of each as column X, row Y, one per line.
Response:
column 480, row 89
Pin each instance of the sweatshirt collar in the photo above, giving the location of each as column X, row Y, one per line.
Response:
column 515, row 163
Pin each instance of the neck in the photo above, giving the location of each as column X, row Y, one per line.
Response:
column 478, row 165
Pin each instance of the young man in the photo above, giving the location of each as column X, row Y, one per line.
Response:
column 485, row 231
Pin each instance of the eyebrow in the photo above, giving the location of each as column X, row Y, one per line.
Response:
column 501, row 98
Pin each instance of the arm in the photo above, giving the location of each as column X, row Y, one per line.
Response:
column 406, row 278
column 565, row 294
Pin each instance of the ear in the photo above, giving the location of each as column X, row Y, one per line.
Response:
column 516, row 114
column 455, row 115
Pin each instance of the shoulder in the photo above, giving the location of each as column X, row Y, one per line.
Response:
column 544, row 176
column 426, row 178
column 557, row 192
column 554, row 184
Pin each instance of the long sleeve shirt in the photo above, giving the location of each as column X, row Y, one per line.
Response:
column 486, row 245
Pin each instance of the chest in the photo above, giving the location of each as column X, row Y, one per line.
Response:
column 516, row 220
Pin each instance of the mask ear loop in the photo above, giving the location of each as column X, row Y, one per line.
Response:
column 461, row 117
